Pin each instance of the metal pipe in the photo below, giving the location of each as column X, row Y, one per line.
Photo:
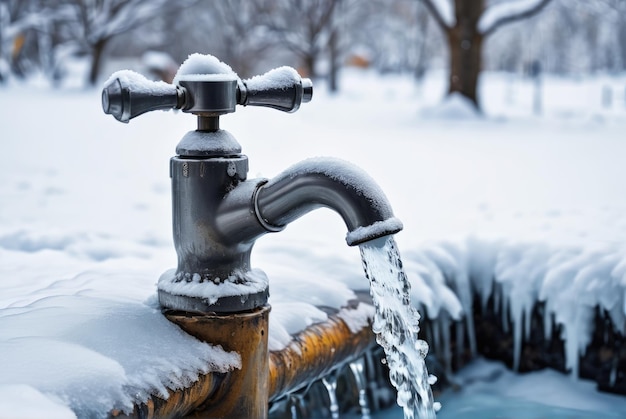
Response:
column 305, row 186
column 313, row 353
column 327, row 182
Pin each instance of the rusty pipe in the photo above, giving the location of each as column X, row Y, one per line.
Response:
column 313, row 353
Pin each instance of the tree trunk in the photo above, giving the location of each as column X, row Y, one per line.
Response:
column 333, row 71
column 96, row 60
column 465, row 43
column 309, row 65
column 621, row 41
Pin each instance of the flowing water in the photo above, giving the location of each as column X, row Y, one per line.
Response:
column 396, row 325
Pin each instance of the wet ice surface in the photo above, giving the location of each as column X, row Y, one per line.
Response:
column 488, row 390
column 85, row 210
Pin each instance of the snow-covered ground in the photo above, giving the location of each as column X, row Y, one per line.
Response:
column 85, row 227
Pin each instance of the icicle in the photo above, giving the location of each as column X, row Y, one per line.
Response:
column 529, row 320
column 471, row 332
column 571, row 348
column 460, row 340
column 358, row 372
column 613, row 374
column 505, row 313
column 436, row 325
column 330, row 382
column 518, row 319
column 447, row 353
column 496, row 298
column 372, row 366
column 548, row 321
column 295, row 405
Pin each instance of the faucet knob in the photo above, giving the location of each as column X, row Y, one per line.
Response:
column 282, row 89
column 129, row 94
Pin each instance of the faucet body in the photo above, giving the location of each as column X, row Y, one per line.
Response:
column 218, row 214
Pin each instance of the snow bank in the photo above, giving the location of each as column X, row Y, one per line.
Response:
column 454, row 106
column 73, row 347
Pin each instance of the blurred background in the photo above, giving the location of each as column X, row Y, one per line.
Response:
column 61, row 39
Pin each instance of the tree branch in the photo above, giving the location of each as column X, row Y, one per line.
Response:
column 436, row 14
column 515, row 17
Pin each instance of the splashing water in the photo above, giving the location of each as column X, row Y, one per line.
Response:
column 396, row 325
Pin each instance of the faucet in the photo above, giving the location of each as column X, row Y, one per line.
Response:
column 218, row 212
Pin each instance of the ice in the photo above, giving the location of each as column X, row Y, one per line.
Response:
column 195, row 285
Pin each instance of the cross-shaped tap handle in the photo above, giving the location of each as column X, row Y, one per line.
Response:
column 128, row 94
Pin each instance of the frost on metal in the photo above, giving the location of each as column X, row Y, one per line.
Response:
column 211, row 289
column 378, row 229
column 138, row 82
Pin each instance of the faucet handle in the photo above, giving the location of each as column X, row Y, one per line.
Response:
column 128, row 94
column 281, row 88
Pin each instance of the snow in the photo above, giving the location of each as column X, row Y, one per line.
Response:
column 446, row 10
column 194, row 285
column 358, row 318
column 85, row 224
column 156, row 60
column 453, row 107
column 277, row 79
column 502, row 10
column 378, row 229
column 138, row 83
column 199, row 67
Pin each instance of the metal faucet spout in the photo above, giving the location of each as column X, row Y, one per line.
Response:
column 332, row 183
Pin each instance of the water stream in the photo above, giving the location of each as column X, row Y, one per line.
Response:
column 396, row 325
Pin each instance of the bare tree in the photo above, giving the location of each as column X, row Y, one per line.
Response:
column 16, row 19
column 302, row 26
column 617, row 12
column 241, row 39
column 466, row 23
column 93, row 23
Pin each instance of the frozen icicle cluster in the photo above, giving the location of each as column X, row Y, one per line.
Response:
column 572, row 282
